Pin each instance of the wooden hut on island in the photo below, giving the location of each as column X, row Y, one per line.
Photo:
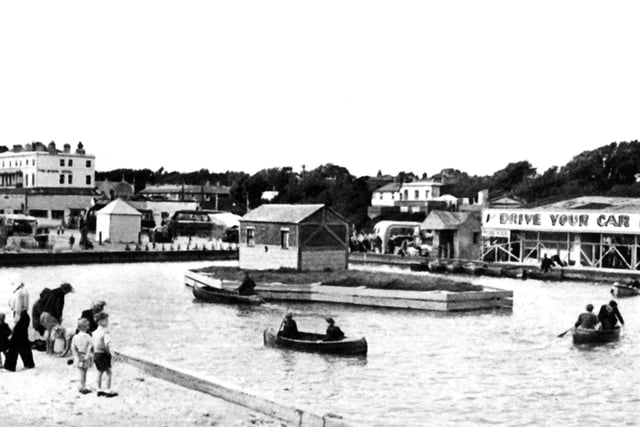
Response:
column 302, row 237
column 455, row 234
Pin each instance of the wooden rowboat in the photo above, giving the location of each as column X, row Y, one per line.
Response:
column 516, row 273
column 620, row 290
column 595, row 336
column 454, row 267
column 313, row 343
column 492, row 270
column 541, row 275
column 472, row 268
column 211, row 294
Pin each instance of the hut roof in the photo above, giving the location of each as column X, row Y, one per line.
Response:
column 119, row 207
column 444, row 220
column 292, row 214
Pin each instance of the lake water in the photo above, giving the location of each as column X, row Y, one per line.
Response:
column 493, row 367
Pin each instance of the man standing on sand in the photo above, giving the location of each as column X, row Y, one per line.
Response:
column 19, row 343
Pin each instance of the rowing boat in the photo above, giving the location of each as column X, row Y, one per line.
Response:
column 595, row 336
column 620, row 290
column 311, row 342
column 211, row 294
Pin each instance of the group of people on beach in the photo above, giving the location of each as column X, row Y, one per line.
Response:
column 607, row 317
column 90, row 342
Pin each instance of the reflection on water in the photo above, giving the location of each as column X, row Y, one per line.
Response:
column 499, row 367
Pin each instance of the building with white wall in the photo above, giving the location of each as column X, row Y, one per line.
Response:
column 51, row 184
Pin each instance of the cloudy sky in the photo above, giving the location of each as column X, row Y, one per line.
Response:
column 391, row 85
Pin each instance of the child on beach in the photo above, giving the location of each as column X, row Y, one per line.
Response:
column 82, row 347
column 5, row 333
column 102, row 353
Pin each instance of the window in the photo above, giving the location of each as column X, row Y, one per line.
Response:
column 33, row 162
column 39, row 213
column 476, row 238
column 26, row 180
column 33, row 179
column 57, row 214
column 416, row 194
column 284, row 238
column 70, row 162
column 88, row 179
column 61, row 162
column 380, row 196
column 426, row 194
column 70, row 179
column 250, row 237
column 393, row 196
column 61, row 179
column 88, row 163
column 406, row 194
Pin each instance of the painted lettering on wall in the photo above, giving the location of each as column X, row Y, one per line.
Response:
column 518, row 218
column 572, row 220
column 613, row 220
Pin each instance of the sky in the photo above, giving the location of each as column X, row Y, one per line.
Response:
column 369, row 85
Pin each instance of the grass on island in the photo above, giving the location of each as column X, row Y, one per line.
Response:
column 349, row 278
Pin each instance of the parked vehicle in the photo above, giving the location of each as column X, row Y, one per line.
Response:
column 191, row 223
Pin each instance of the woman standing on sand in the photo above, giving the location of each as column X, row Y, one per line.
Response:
column 19, row 343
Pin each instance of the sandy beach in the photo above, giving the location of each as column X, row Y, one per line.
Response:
column 48, row 396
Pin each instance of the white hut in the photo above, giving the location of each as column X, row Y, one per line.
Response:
column 118, row 222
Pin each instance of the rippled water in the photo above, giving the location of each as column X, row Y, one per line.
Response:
column 503, row 368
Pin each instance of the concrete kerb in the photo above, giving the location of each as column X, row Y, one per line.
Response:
column 292, row 416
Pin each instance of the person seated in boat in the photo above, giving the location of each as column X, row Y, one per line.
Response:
column 545, row 264
column 334, row 333
column 634, row 283
column 609, row 315
column 289, row 328
column 248, row 285
column 587, row 320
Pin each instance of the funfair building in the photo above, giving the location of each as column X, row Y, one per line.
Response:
column 586, row 232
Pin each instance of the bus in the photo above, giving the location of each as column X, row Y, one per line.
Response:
column 394, row 233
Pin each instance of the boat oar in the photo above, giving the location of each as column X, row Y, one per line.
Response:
column 564, row 333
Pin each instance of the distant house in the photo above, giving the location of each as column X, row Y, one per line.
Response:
column 115, row 190
column 455, row 234
column 302, row 237
column 210, row 196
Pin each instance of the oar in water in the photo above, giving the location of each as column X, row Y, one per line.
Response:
column 565, row 332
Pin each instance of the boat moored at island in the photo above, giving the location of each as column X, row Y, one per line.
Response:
column 314, row 343
column 211, row 294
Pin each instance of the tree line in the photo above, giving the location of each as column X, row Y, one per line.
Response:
column 611, row 170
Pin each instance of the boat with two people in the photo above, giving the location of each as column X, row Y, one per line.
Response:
column 600, row 329
column 333, row 342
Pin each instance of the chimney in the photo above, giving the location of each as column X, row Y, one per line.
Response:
column 483, row 197
column 17, row 148
column 39, row 146
column 67, row 148
column 80, row 149
column 52, row 148
column 3, row 148
column 28, row 146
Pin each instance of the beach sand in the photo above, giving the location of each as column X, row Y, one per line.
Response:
column 48, row 396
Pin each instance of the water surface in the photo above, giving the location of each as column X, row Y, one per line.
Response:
column 492, row 367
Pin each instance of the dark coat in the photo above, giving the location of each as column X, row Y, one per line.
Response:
column 90, row 316
column 5, row 333
column 334, row 333
column 247, row 286
column 53, row 303
column 609, row 319
column 289, row 329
